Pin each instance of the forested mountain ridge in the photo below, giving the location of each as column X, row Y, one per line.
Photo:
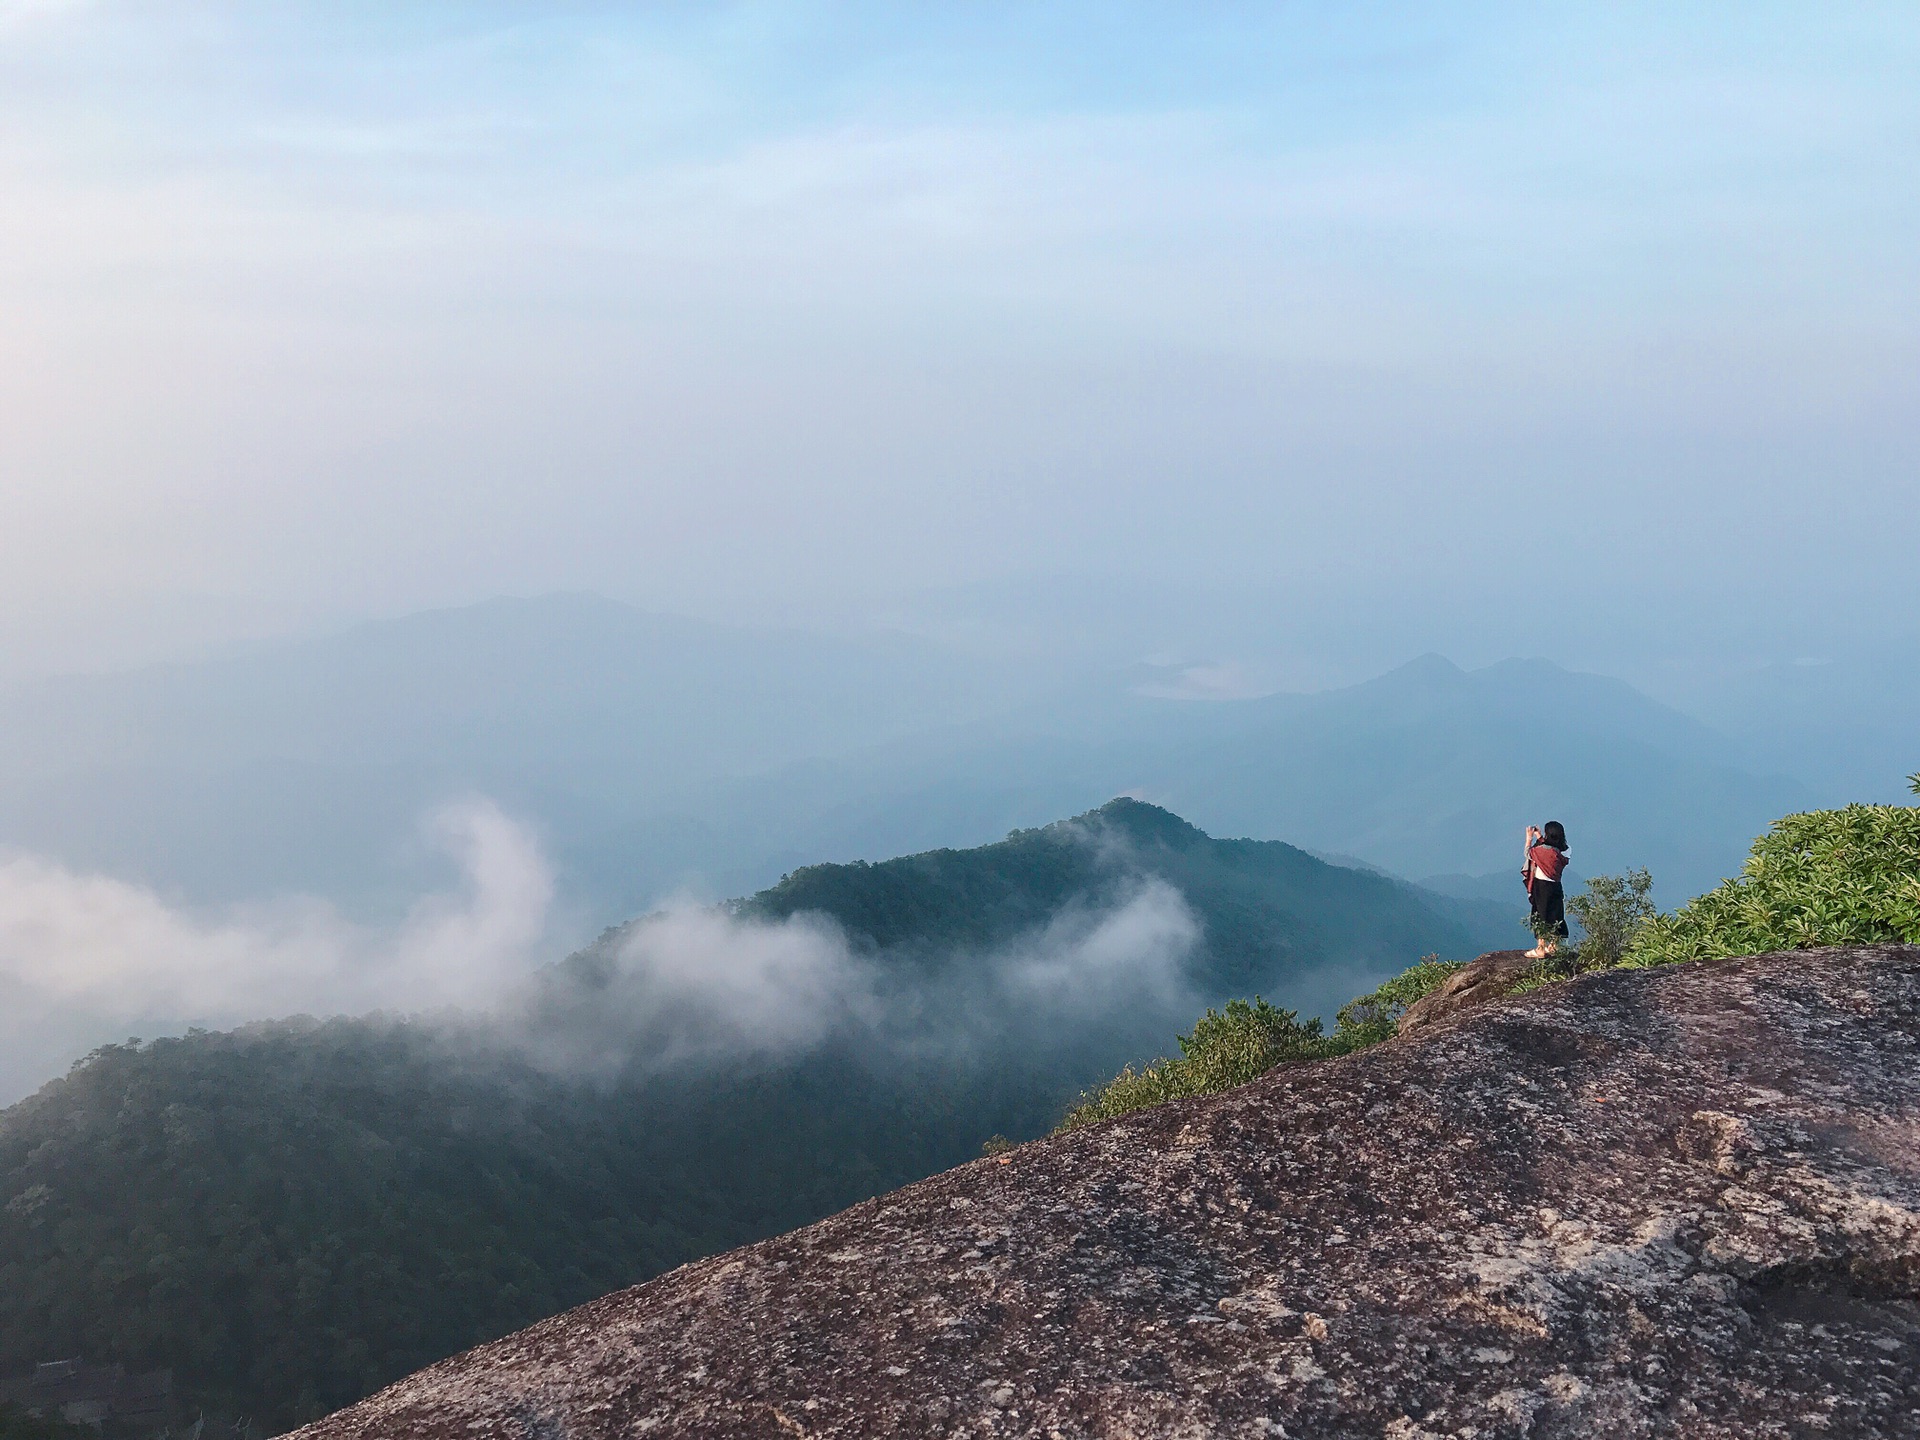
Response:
column 295, row 1213
column 1268, row 907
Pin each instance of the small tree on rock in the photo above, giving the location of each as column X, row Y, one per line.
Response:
column 1611, row 915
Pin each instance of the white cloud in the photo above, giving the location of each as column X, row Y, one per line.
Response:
column 690, row 983
column 693, row 985
column 447, row 312
column 86, row 958
column 1095, row 959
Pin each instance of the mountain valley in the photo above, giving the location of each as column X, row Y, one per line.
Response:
column 294, row 1213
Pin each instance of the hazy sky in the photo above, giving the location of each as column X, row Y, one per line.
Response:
column 1375, row 311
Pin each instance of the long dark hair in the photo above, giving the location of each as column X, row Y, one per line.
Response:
column 1555, row 834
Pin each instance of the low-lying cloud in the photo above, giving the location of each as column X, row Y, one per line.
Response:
column 85, row 958
column 1136, row 949
column 694, row 984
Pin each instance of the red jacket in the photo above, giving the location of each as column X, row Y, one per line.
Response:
column 1546, row 860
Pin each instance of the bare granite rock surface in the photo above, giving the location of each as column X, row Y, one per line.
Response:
column 1682, row 1202
column 1475, row 983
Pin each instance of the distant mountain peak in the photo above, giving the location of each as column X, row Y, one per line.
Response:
column 1432, row 666
column 1269, row 910
column 1142, row 820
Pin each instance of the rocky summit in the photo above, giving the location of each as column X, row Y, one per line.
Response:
column 1676, row 1202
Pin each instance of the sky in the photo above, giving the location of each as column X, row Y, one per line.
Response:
column 1438, row 326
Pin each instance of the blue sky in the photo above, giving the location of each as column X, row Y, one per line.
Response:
column 1368, row 319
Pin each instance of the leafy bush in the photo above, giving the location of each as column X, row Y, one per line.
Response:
column 1611, row 915
column 1826, row 877
column 1241, row 1043
column 1227, row 1047
column 1375, row 1016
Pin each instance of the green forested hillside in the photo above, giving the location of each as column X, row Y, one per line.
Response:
column 1269, row 909
column 288, row 1213
column 293, row 1214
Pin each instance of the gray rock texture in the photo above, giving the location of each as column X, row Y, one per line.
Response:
column 1475, row 983
column 1682, row 1202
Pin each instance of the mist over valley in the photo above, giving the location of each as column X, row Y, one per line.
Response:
column 694, row 1079
column 708, row 663
column 422, row 813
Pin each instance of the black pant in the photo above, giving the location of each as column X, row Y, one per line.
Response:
column 1550, row 906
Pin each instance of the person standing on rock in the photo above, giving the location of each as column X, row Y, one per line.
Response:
column 1546, row 863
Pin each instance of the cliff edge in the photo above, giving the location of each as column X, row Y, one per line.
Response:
column 1671, row 1202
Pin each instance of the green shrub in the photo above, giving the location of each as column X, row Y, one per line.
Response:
column 1227, row 1047
column 1826, row 877
column 1242, row 1042
column 1230, row 1047
column 1611, row 915
column 1375, row 1016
